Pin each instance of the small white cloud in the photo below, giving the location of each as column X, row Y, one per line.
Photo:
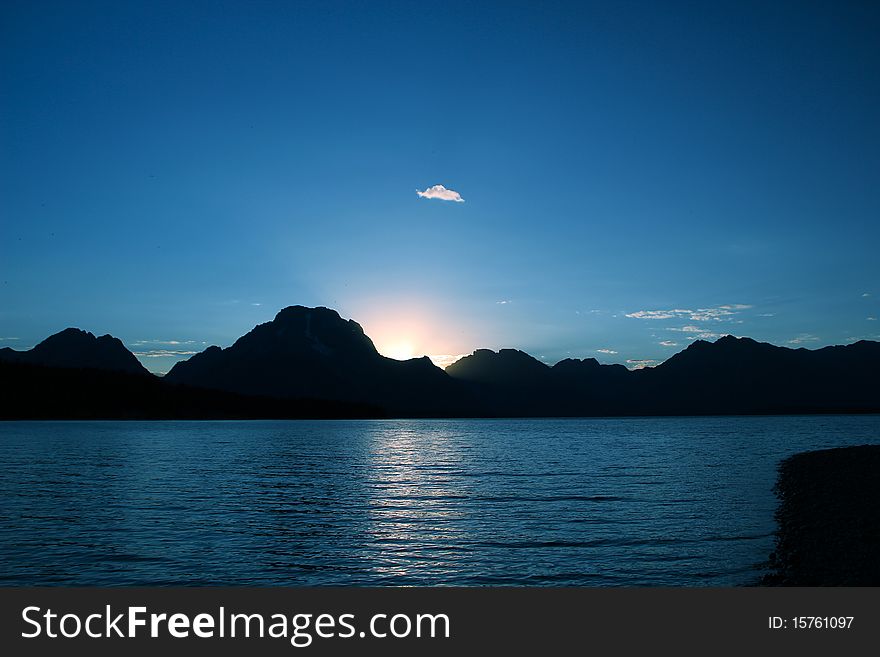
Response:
column 871, row 319
column 440, row 192
column 256, row 304
column 866, row 294
column 668, row 343
column 503, row 302
column 9, row 339
column 605, row 351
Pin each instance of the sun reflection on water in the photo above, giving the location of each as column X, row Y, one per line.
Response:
column 415, row 491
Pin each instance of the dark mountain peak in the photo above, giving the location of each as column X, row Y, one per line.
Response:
column 516, row 354
column 570, row 364
column 725, row 343
column 727, row 349
column 69, row 336
column 573, row 370
column 697, row 345
column 730, row 340
column 505, row 366
column 74, row 338
column 316, row 319
column 296, row 332
column 75, row 348
column 500, row 356
column 298, row 337
column 422, row 366
column 292, row 314
column 317, row 332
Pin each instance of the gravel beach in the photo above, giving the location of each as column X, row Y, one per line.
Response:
column 828, row 519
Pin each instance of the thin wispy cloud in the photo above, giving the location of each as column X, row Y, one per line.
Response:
column 659, row 314
column 441, row 193
column 605, row 351
column 503, row 302
column 695, row 332
column 9, row 339
column 163, row 353
column 866, row 294
column 667, row 343
column 803, row 338
column 640, row 363
column 171, row 343
column 871, row 319
column 716, row 314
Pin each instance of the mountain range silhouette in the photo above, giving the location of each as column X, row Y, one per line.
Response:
column 310, row 362
column 76, row 348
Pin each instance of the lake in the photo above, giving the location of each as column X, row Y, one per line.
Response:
column 587, row 502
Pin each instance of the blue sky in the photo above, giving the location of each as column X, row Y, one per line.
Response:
column 634, row 175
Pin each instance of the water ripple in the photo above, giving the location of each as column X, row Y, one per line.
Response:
column 601, row 502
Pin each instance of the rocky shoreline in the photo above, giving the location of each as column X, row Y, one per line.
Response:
column 828, row 519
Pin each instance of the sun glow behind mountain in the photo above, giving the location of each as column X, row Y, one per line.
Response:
column 401, row 350
column 413, row 330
